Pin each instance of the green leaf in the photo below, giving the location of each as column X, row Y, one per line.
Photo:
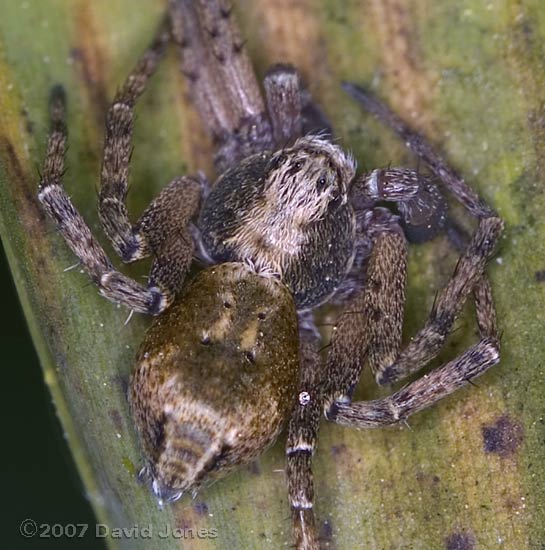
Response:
column 471, row 76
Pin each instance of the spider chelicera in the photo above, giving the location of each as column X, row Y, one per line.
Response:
column 287, row 227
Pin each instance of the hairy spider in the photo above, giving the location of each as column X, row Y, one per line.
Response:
column 288, row 226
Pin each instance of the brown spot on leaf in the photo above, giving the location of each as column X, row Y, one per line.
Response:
column 89, row 59
column 32, row 216
column 503, row 437
column 409, row 85
column 460, row 540
column 285, row 25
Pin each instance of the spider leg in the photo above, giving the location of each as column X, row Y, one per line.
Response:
column 422, row 208
column 423, row 392
column 419, row 394
column 370, row 326
column 221, row 79
column 482, row 293
column 162, row 231
column 418, row 145
column 291, row 109
column 350, row 347
column 130, row 242
column 344, row 365
column 370, row 329
column 174, row 250
column 301, row 441
column 283, row 95
column 469, row 273
column 166, row 225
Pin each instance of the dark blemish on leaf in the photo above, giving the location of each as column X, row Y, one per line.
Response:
column 117, row 419
column 338, row 450
column 76, row 384
column 253, row 468
column 460, row 541
column 540, row 276
column 201, row 508
column 503, row 437
column 123, row 382
column 95, row 89
column 14, row 166
column 326, row 531
column 29, row 125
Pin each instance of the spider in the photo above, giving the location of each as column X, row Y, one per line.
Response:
column 288, row 226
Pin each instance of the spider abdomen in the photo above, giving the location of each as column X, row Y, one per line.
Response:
column 215, row 377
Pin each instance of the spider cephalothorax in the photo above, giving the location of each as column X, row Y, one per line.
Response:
column 233, row 351
column 287, row 213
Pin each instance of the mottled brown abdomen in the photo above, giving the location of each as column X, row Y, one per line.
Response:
column 215, row 377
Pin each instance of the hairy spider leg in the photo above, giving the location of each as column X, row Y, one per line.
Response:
column 470, row 268
column 362, row 334
column 221, row 80
column 163, row 225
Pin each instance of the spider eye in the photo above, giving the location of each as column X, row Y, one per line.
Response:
column 321, row 183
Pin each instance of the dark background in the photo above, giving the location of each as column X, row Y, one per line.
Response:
column 39, row 477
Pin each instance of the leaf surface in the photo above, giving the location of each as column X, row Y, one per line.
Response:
column 470, row 473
